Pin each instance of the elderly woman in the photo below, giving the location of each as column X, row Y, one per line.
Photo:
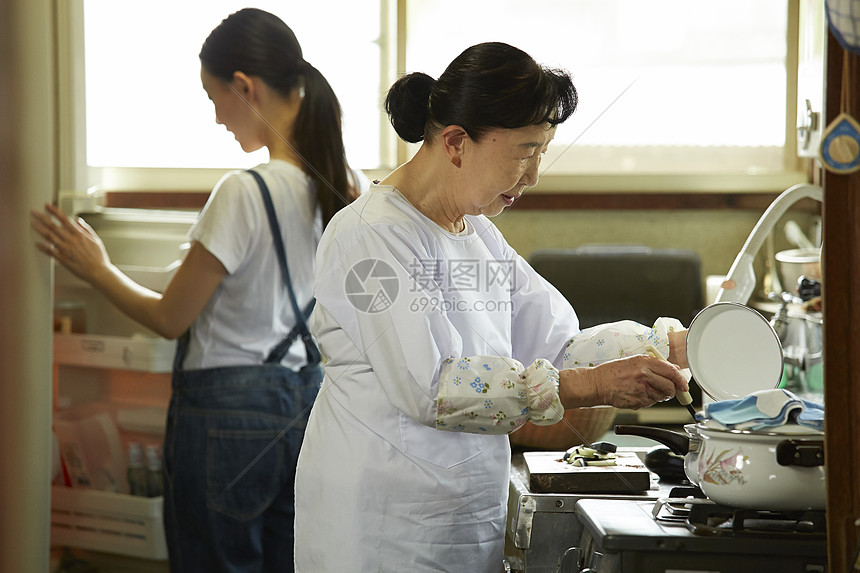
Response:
column 440, row 340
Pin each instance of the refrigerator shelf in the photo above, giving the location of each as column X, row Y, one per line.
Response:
column 120, row 352
column 108, row 522
column 155, row 278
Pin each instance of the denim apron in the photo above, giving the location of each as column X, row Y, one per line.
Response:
column 231, row 444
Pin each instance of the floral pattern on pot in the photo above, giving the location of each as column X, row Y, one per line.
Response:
column 723, row 468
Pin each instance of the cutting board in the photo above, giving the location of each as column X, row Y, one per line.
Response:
column 547, row 473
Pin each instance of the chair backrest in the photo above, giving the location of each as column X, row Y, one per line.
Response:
column 606, row 283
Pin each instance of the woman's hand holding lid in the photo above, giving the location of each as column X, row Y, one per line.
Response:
column 634, row 382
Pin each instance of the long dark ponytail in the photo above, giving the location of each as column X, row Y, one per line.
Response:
column 260, row 44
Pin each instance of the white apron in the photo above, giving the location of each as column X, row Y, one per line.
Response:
column 378, row 487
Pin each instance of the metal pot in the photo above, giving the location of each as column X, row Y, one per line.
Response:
column 733, row 351
column 795, row 263
column 781, row 469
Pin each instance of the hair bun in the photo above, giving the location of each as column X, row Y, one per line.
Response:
column 406, row 105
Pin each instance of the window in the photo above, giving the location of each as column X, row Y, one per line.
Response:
column 692, row 95
column 665, row 86
column 145, row 106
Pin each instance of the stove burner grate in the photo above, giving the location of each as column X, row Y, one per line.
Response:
column 720, row 520
column 675, row 509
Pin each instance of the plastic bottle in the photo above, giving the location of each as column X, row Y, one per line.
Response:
column 137, row 474
column 153, row 471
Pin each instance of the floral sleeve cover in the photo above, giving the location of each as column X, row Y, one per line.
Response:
column 496, row 395
column 596, row 345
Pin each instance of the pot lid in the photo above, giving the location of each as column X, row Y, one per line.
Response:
column 732, row 351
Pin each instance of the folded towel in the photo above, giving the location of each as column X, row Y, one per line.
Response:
column 766, row 409
column 812, row 415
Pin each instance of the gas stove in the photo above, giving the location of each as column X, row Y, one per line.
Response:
column 704, row 517
column 668, row 528
column 694, row 535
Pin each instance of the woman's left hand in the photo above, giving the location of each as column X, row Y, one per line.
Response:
column 73, row 244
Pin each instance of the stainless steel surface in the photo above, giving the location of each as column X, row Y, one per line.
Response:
column 800, row 334
column 543, row 529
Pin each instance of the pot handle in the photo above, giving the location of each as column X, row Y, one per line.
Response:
column 803, row 453
column 677, row 443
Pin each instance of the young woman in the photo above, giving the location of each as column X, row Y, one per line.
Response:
column 231, row 444
column 440, row 340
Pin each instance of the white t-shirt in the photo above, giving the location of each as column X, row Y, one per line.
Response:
column 250, row 311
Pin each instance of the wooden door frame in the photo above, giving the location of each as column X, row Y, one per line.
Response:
column 841, row 287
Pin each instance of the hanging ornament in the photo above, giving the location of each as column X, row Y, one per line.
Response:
column 843, row 16
column 840, row 141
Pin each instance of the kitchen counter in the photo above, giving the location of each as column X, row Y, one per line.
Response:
column 542, row 527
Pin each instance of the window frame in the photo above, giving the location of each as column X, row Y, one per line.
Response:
column 74, row 174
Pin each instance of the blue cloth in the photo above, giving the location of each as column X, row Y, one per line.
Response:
column 766, row 409
column 232, row 440
column 230, row 451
